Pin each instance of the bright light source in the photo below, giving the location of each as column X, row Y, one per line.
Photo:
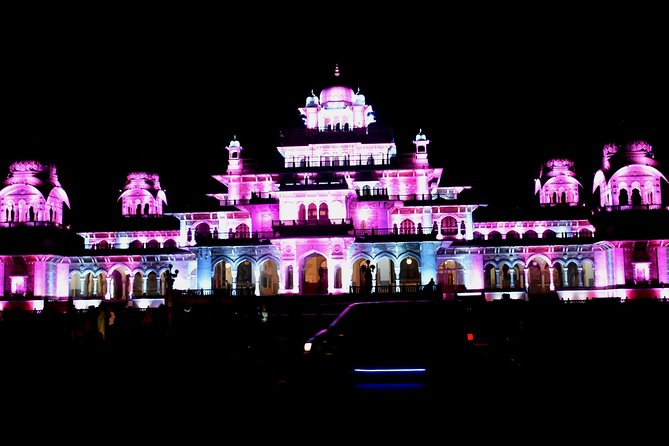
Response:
column 307, row 347
column 470, row 337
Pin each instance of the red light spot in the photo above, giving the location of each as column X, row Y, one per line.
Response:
column 470, row 336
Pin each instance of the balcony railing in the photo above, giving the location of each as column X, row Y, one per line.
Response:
column 322, row 226
column 15, row 224
column 636, row 207
column 382, row 194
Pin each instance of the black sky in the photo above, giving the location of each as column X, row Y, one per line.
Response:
column 495, row 98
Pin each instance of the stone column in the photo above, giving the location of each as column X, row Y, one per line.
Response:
column 580, row 276
column 512, row 280
column 550, row 271
column 145, row 287
column 565, row 277
column 497, row 284
column 110, row 287
column 256, row 273
column 398, row 269
column 82, row 281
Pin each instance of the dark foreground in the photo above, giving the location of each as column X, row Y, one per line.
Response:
column 251, row 357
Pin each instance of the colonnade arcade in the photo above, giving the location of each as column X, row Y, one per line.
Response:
column 120, row 282
column 539, row 274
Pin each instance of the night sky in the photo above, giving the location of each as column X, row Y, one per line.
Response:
column 496, row 100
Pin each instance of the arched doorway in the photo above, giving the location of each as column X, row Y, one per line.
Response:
column 358, row 282
column 245, row 281
column 409, row 274
column 119, row 285
column 202, row 232
column 450, row 275
column 490, row 277
column 138, row 285
column 152, row 284
column 588, row 274
column 269, row 278
column 539, row 276
column 102, row 285
column 385, row 275
column 222, row 275
column 558, row 276
column 315, row 275
column 75, row 284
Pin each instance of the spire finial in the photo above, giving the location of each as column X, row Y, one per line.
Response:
column 336, row 70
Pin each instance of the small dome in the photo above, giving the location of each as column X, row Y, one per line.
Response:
column 421, row 136
column 358, row 98
column 636, row 152
column 234, row 142
column 559, row 167
column 312, row 100
column 337, row 97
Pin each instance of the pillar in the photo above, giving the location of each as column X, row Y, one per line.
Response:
column 552, row 279
column 145, row 282
column 95, row 285
column 512, row 280
column 109, row 287
column 398, row 269
column 256, row 273
column 497, row 284
column 565, row 277
column 204, row 270
column 526, row 276
column 580, row 276
column 82, row 282
column 233, row 273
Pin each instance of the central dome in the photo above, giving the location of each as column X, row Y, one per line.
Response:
column 337, row 97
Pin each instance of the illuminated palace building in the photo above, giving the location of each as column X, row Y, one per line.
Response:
column 343, row 201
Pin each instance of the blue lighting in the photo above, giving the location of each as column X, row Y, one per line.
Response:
column 389, row 370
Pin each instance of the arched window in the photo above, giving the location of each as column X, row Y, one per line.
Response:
column 623, row 197
column 153, row 244
column 366, row 190
column 302, row 212
column 102, row 245
column 548, row 233
column 312, row 212
column 585, row 233
column 169, row 243
column 138, row 211
column 636, row 197
column 490, row 277
column 407, row 227
column 31, row 213
column 370, row 160
column 323, row 211
column 242, row 231
column 494, row 235
column 564, row 197
column 478, row 236
column 449, row 226
column 136, row 244
column 146, row 209
column 530, row 234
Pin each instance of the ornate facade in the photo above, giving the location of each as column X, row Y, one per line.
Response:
column 343, row 203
